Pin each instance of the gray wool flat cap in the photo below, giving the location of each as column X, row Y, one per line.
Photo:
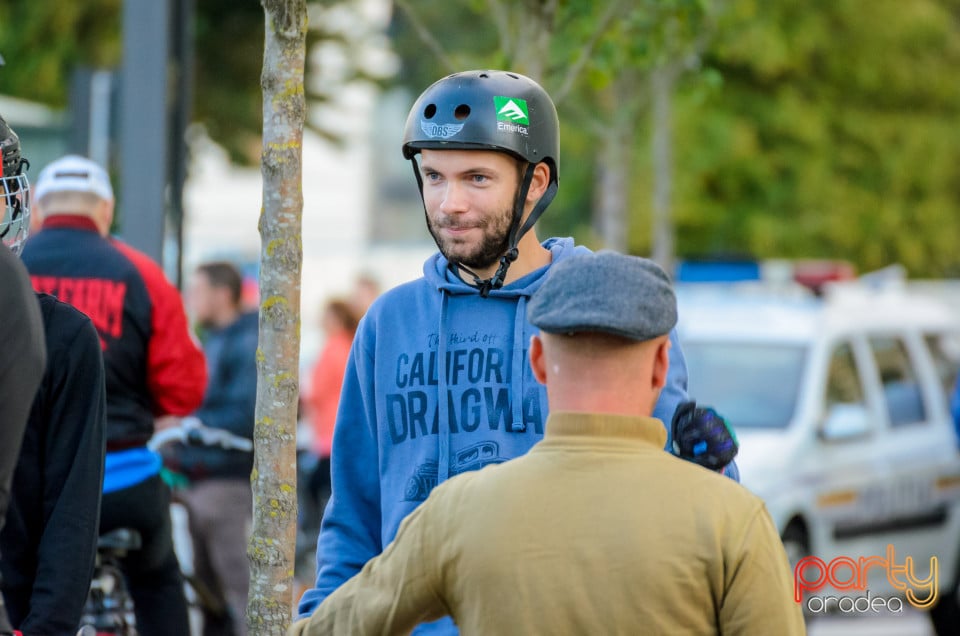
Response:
column 605, row 292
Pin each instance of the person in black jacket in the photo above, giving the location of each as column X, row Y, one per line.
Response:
column 50, row 538
column 23, row 354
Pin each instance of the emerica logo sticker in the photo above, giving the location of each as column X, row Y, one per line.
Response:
column 512, row 109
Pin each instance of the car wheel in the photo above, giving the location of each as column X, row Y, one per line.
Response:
column 796, row 544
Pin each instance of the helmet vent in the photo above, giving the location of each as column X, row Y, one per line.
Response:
column 483, row 76
column 430, row 111
column 462, row 112
column 512, row 75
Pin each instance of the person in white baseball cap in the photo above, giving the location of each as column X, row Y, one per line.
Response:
column 75, row 185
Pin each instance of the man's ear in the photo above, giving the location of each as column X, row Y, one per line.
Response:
column 537, row 362
column 103, row 215
column 539, row 183
column 661, row 364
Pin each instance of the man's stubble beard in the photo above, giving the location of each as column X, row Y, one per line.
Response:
column 493, row 245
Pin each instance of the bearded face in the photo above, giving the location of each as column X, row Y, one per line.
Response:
column 478, row 244
column 469, row 197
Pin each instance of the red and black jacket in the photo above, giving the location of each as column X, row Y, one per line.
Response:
column 153, row 366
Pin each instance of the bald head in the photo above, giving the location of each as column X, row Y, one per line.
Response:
column 599, row 372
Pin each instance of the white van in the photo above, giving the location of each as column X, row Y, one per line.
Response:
column 841, row 407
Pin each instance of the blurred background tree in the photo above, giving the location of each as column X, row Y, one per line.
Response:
column 43, row 41
column 228, row 41
column 834, row 134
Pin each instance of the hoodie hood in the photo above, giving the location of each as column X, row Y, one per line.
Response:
column 439, row 274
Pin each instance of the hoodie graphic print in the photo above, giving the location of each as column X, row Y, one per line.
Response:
column 438, row 383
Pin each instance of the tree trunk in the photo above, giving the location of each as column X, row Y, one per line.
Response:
column 617, row 130
column 611, row 202
column 525, row 30
column 536, row 26
column 662, row 82
column 274, row 477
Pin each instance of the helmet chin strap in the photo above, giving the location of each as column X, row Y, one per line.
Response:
column 517, row 231
column 486, row 285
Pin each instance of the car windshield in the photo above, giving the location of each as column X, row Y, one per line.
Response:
column 752, row 385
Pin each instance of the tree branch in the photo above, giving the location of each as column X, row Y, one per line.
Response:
column 501, row 19
column 426, row 37
column 587, row 51
column 690, row 59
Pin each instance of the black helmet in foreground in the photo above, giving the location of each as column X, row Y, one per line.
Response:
column 14, row 190
column 9, row 150
column 490, row 110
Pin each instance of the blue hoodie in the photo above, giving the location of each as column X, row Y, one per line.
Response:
column 394, row 440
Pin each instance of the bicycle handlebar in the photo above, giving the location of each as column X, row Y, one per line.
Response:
column 193, row 432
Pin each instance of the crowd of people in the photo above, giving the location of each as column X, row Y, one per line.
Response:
column 102, row 356
column 556, row 368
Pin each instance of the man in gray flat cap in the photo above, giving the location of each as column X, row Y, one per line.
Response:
column 596, row 530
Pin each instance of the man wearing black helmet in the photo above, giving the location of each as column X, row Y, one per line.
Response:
column 438, row 383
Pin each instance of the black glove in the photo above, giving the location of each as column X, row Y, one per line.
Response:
column 702, row 436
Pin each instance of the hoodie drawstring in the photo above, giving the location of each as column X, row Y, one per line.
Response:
column 443, row 412
column 516, row 381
